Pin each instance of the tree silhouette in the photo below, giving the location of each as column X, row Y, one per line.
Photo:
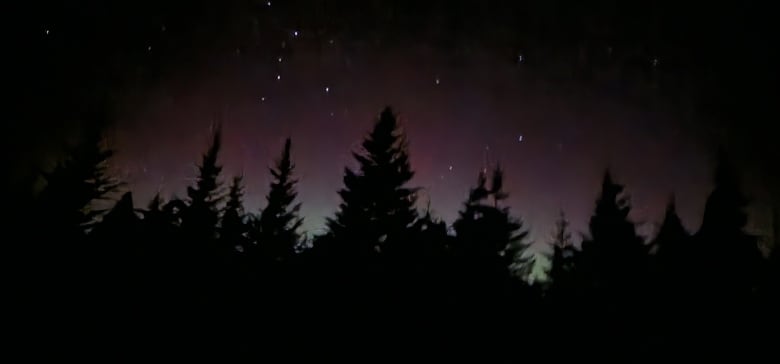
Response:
column 377, row 207
column 200, row 218
column 488, row 235
column 731, row 257
column 675, row 253
column 68, row 206
column 77, row 183
column 234, row 229
column 615, row 257
column 562, row 259
column 277, row 228
column 613, row 266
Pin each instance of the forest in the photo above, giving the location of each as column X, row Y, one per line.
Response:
column 203, row 276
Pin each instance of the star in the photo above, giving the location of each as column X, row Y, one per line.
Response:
column 278, row 77
column 520, row 58
column 655, row 61
column 331, row 41
column 327, row 89
column 450, row 168
column 295, row 33
column 262, row 99
column 437, row 81
column 268, row 3
column 332, row 114
column 279, row 59
column 46, row 31
column 520, row 138
column 149, row 48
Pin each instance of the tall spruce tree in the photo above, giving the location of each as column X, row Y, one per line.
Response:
column 377, row 207
column 614, row 256
column 234, row 228
column 200, row 217
column 279, row 222
column 488, row 235
column 77, row 185
column 731, row 257
column 674, row 251
column 562, row 259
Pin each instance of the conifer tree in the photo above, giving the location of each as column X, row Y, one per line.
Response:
column 377, row 206
column 674, row 251
column 277, row 229
column 234, row 228
column 488, row 234
column 77, row 184
column 731, row 257
column 562, row 259
column 200, row 217
column 614, row 258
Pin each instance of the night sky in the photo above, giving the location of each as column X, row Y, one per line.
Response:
column 554, row 92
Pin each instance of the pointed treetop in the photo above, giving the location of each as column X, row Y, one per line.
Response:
column 375, row 199
column 480, row 192
column 672, row 227
column 236, row 194
column 279, row 222
column 562, row 235
column 497, row 185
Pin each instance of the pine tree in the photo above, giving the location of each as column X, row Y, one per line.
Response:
column 200, row 217
column 116, row 240
column 612, row 274
column 562, row 260
column 234, row 228
column 77, row 185
column 673, row 249
column 377, row 207
column 731, row 257
column 488, row 234
column 277, row 228
column 614, row 257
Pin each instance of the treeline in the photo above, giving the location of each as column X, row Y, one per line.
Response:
column 202, row 275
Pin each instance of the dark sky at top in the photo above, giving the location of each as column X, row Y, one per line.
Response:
column 553, row 91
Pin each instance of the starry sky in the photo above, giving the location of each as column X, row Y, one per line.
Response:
column 553, row 92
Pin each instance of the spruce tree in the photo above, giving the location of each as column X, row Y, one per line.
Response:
column 77, row 185
column 612, row 273
column 674, row 252
column 731, row 257
column 234, row 228
column 488, row 235
column 562, row 259
column 614, row 256
column 201, row 215
column 377, row 207
column 279, row 223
